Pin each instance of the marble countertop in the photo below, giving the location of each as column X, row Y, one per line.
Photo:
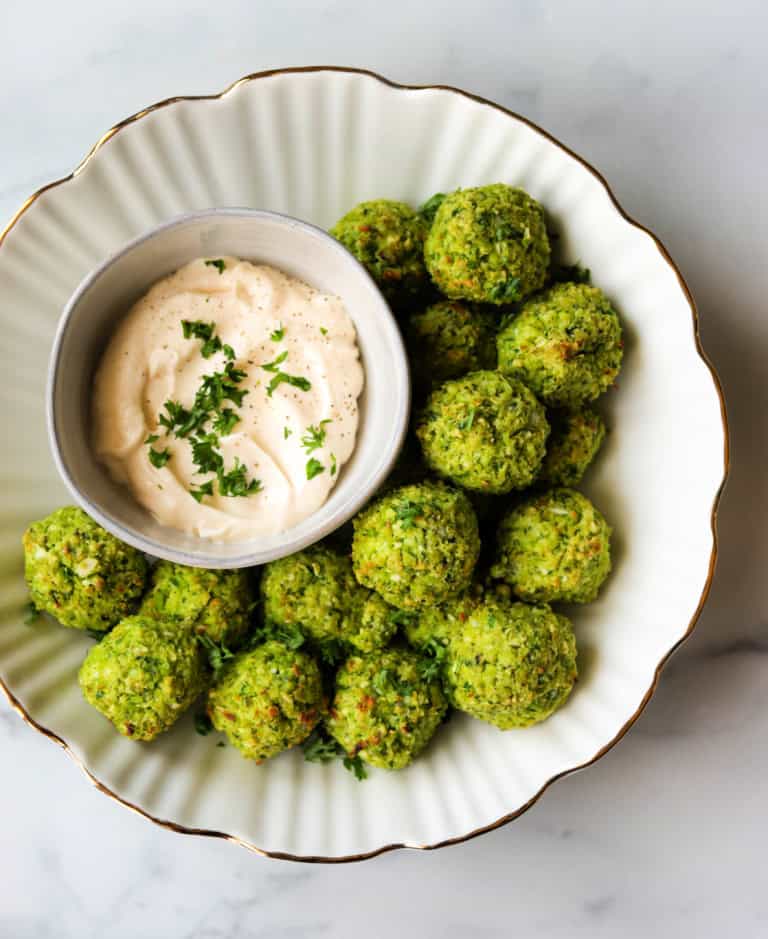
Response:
column 666, row 834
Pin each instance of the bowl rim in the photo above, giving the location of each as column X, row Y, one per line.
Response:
column 288, row 544
column 504, row 819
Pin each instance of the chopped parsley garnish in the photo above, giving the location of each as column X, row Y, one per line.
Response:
column 290, row 636
column 218, row 263
column 283, row 378
column 277, row 334
column 213, row 391
column 334, row 465
column 217, row 652
column 432, row 664
column 158, row 458
column 403, row 617
column 208, row 411
column 225, row 421
column 407, row 512
column 314, row 468
column 287, row 432
column 385, row 680
column 507, row 291
column 273, row 365
column 176, row 416
column 235, row 482
column 331, row 652
column 205, row 456
column 355, row 766
column 320, row 747
column 323, row 330
column 572, row 274
column 279, row 377
column 314, row 436
column 203, row 724
column 430, row 207
column 220, row 387
column 206, row 489
column 199, row 329
column 467, row 422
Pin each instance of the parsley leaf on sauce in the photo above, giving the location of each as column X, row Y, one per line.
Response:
column 314, row 436
column 314, row 468
column 278, row 334
column 280, row 377
column 204, row 454
column 206, row 489
column 273, row 365
column 205, row 332
column 158, row 458
column 218, row 263
column 235, row 482
column 283, row 378
column 225, row 421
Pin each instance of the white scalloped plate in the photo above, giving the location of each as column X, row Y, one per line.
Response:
column 312, row 143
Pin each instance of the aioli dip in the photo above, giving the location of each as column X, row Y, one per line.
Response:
column 237, row 383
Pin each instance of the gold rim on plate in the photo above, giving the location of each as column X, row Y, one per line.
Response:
column 280, row 855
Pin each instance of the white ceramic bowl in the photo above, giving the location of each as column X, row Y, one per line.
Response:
column 312, row 143
column 107, row 293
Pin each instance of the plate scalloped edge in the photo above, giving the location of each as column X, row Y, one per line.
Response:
column 503, row 820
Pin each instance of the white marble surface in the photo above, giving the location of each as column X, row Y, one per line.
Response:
column 666, row 835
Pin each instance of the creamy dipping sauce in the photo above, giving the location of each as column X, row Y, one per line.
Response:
column 236, row 382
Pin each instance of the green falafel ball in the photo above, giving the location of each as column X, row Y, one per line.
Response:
column 267, row 700
column 79, row 573
column 214, row 603
column 449, row 339
column 376, row 623
column 512, row 664
column 488, row 244
column 485, row 432
column 439, row 624
column 555, row 546
column 387, row 237
column 384, row 711
column 565, row 344
column 316, row 591
column 143, row 675
column 416, row 545
column 572, row 446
